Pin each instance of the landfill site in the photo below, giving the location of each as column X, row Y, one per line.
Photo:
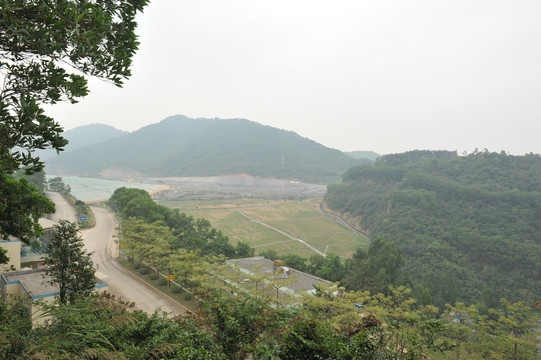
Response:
column 229, row 187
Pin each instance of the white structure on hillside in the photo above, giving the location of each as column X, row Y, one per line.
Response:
column 29, row 284
column 286, row 281
column 13, row 248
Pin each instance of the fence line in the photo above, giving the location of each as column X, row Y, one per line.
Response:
column 341, row 219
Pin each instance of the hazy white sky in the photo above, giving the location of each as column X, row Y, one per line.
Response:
column 387, row 75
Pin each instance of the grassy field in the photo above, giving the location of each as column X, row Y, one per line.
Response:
column 276, row 225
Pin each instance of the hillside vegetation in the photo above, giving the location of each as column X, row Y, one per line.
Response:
column 367, row 156
column 136, row 207
column 83, row 136
column 180, row 146
column 468, row 226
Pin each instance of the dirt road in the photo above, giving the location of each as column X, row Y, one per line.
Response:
column 122, row 283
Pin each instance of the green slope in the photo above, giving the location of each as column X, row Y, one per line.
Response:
column 180, row 146
column 83, row 136
column 367, row 155
column 469, row 227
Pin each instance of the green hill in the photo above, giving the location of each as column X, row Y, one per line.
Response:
column 366, row 155
column 180, row 146
column 468, row 226
column 84, row 136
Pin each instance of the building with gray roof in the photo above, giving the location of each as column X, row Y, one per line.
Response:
column 285, row 280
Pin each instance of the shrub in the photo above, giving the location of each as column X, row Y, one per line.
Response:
column 136, row 266
column 144, row 271
column 162, row 281
column 187, row 296
column 175, row 289
column 154, row 276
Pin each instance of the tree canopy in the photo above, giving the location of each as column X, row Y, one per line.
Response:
column 21, row 207
column 47, row 50
column 188, row 233
column 68, row 264
column 467, row 226
column 328, row 325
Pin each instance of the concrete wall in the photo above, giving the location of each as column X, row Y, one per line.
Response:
column 13, row 248
column 10, row 291
column 16, row 290
column 37, row 312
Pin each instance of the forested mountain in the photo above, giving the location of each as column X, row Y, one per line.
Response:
column 469, row 227
column 83, row 136
column 180, row 146
column 367, row 155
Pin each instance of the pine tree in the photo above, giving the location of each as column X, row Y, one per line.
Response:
column 69, row 265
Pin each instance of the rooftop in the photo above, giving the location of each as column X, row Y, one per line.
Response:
column 34, row 282
column 300, row 281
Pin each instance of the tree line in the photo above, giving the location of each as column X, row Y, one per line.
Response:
column 180, row 146
column 135, row 206
column 467, row 226
column 369, row 319
column 331, row 324
column 373, row 269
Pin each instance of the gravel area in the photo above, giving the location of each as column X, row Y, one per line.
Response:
column 225, row 187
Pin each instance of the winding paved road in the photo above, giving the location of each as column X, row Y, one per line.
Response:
column 63, row 209
column 100, row 239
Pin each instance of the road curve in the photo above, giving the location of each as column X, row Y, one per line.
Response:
column 100, row 240
column 63, row 209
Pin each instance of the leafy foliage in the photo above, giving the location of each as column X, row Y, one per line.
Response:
column 46, row 50
column 15, row 328
column 333, row 324
column 56, row 184
column 376, row 269
column 37, row 178
column 68, row 264
column 21, row 207
column 37, row 40
column 467, row 226
column 103, row 328
column 186, row 232
column 240, row 325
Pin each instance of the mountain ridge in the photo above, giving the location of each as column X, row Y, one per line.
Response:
column 182, row 146
column 82, row 136
column 468, row 226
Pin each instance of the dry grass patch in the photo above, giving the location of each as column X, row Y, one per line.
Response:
column 300, row 219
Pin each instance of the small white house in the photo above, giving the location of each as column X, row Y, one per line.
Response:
column 27, row 284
